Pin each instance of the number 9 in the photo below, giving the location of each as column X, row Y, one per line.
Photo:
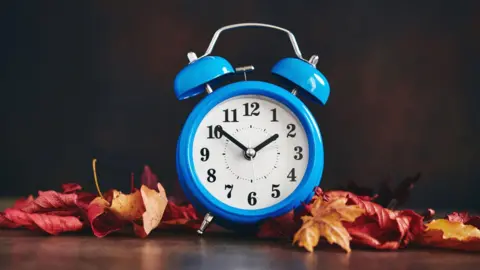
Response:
column 205, row 154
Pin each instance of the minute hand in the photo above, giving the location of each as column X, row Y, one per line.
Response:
column 266, row 142
column 224, row 133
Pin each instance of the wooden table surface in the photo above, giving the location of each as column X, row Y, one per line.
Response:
column 21, row 249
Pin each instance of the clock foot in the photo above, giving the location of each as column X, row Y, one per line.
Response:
column 206, row 221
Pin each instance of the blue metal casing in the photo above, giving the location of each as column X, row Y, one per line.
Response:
column 306, row 76
column 228, row 216
column 191, row 80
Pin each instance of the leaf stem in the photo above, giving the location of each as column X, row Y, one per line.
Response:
column 95, row 177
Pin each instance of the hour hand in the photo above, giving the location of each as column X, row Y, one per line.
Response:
column 266, row 142
column 228, row 136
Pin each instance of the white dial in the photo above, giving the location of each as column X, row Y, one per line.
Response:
column 265, row 161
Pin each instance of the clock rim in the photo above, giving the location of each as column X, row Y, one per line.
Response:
column 224, row 214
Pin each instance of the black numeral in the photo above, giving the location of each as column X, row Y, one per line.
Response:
column 274, row 115
column 213, row 132
column 230, row 187
column 299, row 155
column 211, row 175
column 252, row 200
column 291, row 175
column 291, row 128
column 227, row 114
column 205, row 154
column 255, row 106
column 275, row 191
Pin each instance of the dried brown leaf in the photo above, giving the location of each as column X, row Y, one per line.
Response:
column 155, row 204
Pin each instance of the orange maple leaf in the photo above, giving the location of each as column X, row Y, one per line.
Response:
column 444, row 233
column 326, row 221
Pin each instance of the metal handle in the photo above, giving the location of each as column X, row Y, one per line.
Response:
column 240, row 25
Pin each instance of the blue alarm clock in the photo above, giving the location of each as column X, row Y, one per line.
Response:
column 249, row 150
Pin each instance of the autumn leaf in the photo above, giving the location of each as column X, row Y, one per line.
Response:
column 155, row 204
column 180, row 212
column 127, row 207
column 378, row 227
column 402, row 228
column 51, row 212
column 308, row 235
column 366, row 232
column 71, row 187
column 326, row 221
column 22, row 202
column 51, row 224
column 7, row 223
column 142, row 208
column 465, row 218
column 180, row 217
column 382, row 215
column 443, row 233
column 146, row 208
column 51, row 200
column 451, row 229
column 102, row 221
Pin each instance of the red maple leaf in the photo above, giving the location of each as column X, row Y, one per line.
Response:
column 51, row 212
column 51, row 224
column 379, row 227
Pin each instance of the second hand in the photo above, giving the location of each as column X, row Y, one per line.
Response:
column 252, row 160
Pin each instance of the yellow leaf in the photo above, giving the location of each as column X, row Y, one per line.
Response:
column 308, row 235
column 155, row 204
column 326, row 221
column 337, row 210
column 335, row 233
column 455, row 230
column 127, row 207
column 442, row 233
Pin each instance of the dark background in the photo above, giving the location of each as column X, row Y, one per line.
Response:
column 85, row 79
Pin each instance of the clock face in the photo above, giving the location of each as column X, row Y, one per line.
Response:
column 250, row 152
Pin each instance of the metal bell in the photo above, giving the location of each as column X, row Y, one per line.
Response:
column 194, row 78
column 306, row 77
